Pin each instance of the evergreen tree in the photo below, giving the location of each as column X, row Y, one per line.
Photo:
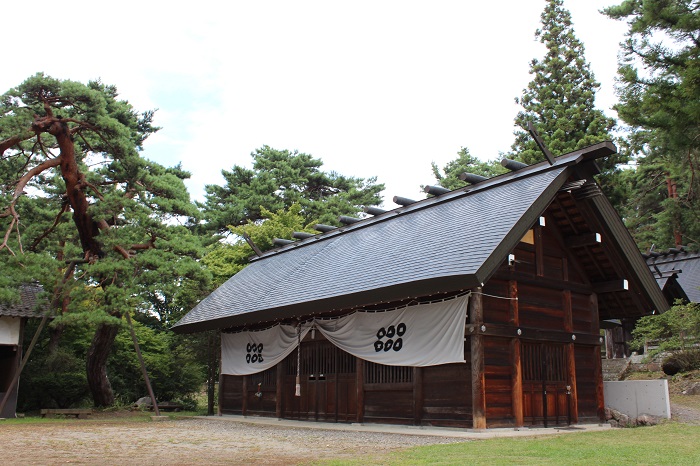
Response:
column 279, row 179
column 448, row 177
column 659, row 91
column 76, row 189
column 560, row 99
column 227, row 259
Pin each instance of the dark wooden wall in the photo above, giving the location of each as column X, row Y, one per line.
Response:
column 532, row 352
column 437, row 395
column 554, row 322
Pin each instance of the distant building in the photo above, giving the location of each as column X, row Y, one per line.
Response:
column 677, row 271
column 13, row 318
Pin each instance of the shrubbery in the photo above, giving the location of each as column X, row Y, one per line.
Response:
column 57, row 379
column 676, row 329
column 681, row 361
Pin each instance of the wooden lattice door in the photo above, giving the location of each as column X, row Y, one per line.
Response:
column 328, row 384
column 545, row 390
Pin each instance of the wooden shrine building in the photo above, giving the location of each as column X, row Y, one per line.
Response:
column 478, row 307
column 13, row 318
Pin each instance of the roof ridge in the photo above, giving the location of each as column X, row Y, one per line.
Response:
column 588, row 153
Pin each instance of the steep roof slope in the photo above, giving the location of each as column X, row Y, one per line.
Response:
column 447, row 243
column 685, row 265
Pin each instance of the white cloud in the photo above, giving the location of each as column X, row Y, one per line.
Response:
column 372, row 88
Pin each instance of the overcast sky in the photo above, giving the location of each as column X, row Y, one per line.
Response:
column 373, row 88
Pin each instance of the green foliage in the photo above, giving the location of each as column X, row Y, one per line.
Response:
column 659, row 93
column 145, row 210
column 76, row 187
column 278, row 179
column 226, row 259
column 681, row 361
column 651, row 215
column 677, row 328
column 465, row 162
column 56, row 380
column 173, row 368
column 560, row 99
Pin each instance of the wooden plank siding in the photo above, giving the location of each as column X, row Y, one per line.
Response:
column 231, row 394
column 523, row 365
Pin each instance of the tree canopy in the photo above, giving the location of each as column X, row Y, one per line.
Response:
column 560, row 99
column 659, row 98
column 277, row 180
column 448, row 177
column 227, row 259
column 106, row 230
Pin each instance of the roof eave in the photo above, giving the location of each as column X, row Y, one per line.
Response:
column 334, row 304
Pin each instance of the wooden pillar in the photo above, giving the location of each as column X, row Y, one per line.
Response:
column 417, row 395
column 572, row 393
column 278, row 386
column 244, row 398
column 596, row 355
column 476, row 318
column 539, row 250
column 221, row 385
column 360, row 378
column 517, row 383
column 598, row 371
column 571, row 382
column 516, row 359
column 610, row 343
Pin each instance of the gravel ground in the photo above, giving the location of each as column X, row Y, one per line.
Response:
column 108, row 440
column 191, row 441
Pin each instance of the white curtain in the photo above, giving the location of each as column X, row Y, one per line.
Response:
column 9, row 330
column 246, row 353
column 417, row 336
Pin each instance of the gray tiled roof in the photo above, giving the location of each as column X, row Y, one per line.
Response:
column 688, row 265
column 29, row 304
column 450, row 242
column 446, row 243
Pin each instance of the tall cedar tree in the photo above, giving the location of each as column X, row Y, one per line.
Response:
column 279, row 179
column 659, row 92
column 76, row 188
column 560, row 99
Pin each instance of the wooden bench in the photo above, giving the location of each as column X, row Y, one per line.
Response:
column 167, row 406
column 78, row 413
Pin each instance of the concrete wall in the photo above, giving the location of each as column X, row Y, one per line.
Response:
column 636, row 397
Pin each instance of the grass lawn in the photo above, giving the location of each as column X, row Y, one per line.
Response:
column 669, row 443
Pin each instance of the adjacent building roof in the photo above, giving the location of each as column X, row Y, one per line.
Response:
column 678, row 263
column 446, row 243
column 29, row 305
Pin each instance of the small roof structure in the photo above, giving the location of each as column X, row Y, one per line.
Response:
column 444, row 244
column 29, row 304
column 677, row 271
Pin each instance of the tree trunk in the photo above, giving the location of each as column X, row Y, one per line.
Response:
column 98, row 353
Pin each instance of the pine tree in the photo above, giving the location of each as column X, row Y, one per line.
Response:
column 465, row 162
column 659, row 91
column 279, row 179
column 559, row 100
column 77, row 191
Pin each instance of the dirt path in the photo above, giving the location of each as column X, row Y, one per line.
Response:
column 190, row 441
column 685, row 414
